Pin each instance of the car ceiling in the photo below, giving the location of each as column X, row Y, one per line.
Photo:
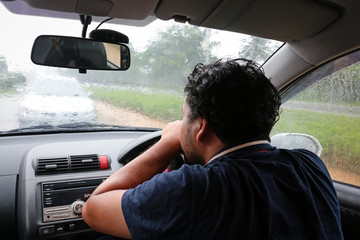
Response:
column 315, row 31
column 273, row 19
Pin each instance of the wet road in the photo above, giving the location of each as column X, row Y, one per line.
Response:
column 9, row 109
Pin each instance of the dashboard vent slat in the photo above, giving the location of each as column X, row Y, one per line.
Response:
column 84, row 162
column 52, row 165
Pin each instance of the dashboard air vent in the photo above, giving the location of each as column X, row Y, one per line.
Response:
column 73, row 163
column 84, row 163
column 52, row 165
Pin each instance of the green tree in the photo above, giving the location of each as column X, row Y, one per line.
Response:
column 257, row 49
column 3, row 65
column 169, row 58
column 9, row 81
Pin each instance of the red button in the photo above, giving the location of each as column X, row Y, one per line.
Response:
column 104, row 163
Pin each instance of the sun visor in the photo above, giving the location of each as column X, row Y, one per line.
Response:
column 134, row 9
column 70, row 9
column 283, row 20
column 94, row 7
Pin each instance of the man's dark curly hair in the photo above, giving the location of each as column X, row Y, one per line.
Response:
column 235, row 97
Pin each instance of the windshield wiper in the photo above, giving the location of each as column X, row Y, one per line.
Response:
column 96, row 127
column 43, row 127
column 74, row 127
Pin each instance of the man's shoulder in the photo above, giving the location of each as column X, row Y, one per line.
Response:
column 275, row 154
column 305, row 157
column 268, row 162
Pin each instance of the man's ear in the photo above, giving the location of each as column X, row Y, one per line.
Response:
column 202, row 130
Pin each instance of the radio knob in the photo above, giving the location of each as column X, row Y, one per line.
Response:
column 77, row 207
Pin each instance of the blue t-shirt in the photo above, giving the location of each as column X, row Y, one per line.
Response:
column 258, row 192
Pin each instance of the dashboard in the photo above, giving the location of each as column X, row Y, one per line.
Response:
column 45, row 179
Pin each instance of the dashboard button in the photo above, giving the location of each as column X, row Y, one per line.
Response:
column 60, row 229
column 47, row 230
column 104, row 162
column 48, row 187
column 71, row 227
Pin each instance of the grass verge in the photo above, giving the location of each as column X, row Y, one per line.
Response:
column 339, row 135
column 154, row 105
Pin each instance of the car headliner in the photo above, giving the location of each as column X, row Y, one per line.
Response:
column 314, row 31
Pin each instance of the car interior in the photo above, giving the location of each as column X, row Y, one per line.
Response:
column 46, row 177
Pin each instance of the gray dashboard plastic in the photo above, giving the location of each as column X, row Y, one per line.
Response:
column 19, row 200
column 7, row 205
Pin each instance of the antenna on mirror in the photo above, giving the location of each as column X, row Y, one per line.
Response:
column 108, row 19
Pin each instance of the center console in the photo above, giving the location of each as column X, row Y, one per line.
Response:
column 55, row 180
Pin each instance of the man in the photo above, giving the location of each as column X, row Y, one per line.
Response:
column 236, row 186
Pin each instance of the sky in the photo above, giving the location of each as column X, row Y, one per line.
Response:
column 24, row 29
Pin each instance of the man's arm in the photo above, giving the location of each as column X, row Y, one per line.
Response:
column 102, row 211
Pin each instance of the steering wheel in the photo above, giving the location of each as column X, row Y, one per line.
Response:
column 141, row 144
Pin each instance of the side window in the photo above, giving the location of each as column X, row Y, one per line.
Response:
column 326, row 104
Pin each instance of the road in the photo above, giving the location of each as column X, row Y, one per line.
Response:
column 108, row 114
column 9, row 109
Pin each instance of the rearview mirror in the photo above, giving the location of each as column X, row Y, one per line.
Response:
column 80, row 53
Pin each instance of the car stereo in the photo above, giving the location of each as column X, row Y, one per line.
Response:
column 64, row 199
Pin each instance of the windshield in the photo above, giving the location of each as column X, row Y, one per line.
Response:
column 149, row 94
